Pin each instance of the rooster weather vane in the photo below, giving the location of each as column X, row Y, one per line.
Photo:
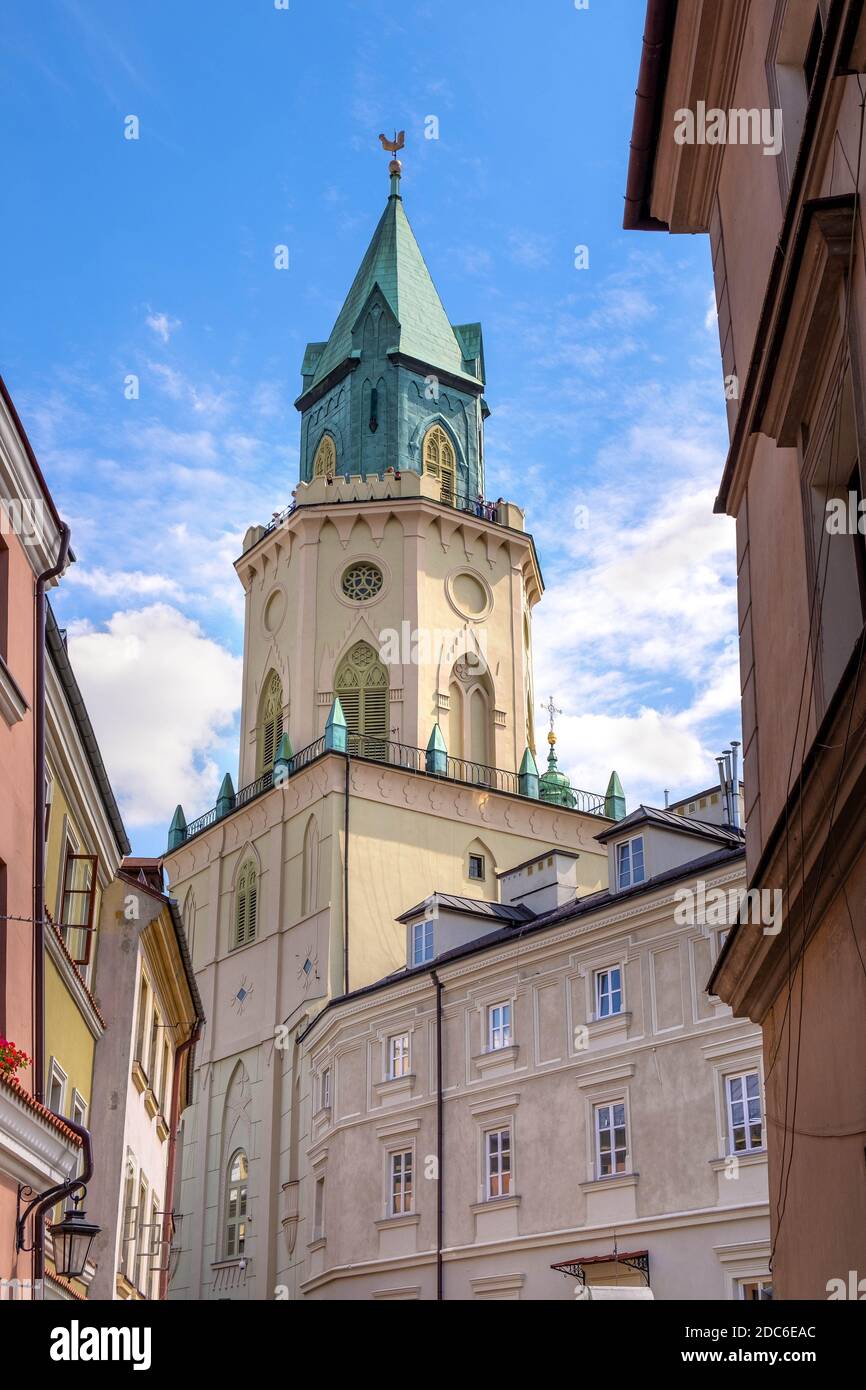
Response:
column 393, row 146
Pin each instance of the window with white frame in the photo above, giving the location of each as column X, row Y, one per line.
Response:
column 745, row 1118
column 325, row 1095
column 611, row 1139
column 400, row 1168
column 78, row 1110
column 497, row 1163
column 398, row 1056
column 236, row 1205
column 476, row 867
column 57, row 1080
column 608, row 991
column 498, row 1026
column 630, row 863
column 755, row 1290
column 422, row 942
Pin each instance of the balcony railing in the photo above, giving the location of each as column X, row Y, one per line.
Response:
column 476, row 506
column 437, row 766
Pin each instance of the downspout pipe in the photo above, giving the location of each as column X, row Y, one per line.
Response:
column 42, row 583
column 440, row 1150
column 174, row 1126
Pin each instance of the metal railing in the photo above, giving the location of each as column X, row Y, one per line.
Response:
column 476, row 506
column 426, row 763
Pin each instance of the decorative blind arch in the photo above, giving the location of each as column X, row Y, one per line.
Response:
column 246, row 904
column 440, row 461
column 270, row 722
column 363, row 688
column 325, row 462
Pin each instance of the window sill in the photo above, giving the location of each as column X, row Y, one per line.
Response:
column 495, row 1204
column 394, row 1086
column 318, row 1244
column 615, row 1180
column 13, row 705
column 390, row 1223
column 139, row 1077
column 497, row 1056
column 161, row 1128
column 746, row 1160
column 151, row 1104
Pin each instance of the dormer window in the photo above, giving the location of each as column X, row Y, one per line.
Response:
column 630, row 863
column 422, row 943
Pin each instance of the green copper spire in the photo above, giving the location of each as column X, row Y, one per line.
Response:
column 436, row 759
column 177, row 829
column 554, row 787
column 226, row 799
column 614, row 798
column 336, row 732
column 394, row 262
column 527, row 777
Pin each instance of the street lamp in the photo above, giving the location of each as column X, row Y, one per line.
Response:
column 72, row 1238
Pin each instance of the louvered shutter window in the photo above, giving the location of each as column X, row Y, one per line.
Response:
column 270, row 722
column 439, row 460
column 325, row 462
column 363, row 688
column 247, row 902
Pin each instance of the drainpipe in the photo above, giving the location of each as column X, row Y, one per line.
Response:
column 56, row 1194
column 39, row 821
column 735, row 784
column 346, row 881
column 174, row 1125
column 440, row 1151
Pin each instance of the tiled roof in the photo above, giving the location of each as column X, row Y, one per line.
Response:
column 14, row 1085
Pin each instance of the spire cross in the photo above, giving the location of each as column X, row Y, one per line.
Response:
column 552, row 710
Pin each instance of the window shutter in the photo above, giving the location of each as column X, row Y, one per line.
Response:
column 251, row 909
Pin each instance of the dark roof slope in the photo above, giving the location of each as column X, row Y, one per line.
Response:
column 473, row 907
column 63, row 666
column 566, row 912
column 667, row 820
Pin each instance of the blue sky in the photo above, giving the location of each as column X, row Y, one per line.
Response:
column 155, row 257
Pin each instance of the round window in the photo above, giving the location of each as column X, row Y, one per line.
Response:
column 362, row 582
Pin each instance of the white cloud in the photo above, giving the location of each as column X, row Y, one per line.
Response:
column 162, row 325
column 529, row 249
column 122, row 583
column 163, row 698
column 711, row 317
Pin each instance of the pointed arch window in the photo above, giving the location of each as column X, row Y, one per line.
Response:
column 325, row 462
column 236, row 1205
column 440, row 461
column 246, row 905
column 363, row 688
column 270, row 722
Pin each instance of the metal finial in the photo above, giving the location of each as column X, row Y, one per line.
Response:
column 552, row 711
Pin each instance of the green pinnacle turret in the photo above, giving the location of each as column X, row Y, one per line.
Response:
column 336, row 730
column 226, row 799
column 554, row 787
column 177, row 829
column 436, row 758
column 614, row 799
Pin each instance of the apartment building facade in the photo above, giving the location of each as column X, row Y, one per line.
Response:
column 598, row 1130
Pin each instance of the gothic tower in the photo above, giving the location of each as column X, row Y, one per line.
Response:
column 387, row 746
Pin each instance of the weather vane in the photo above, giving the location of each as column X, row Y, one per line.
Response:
column 395, row 168
column 552, row 711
